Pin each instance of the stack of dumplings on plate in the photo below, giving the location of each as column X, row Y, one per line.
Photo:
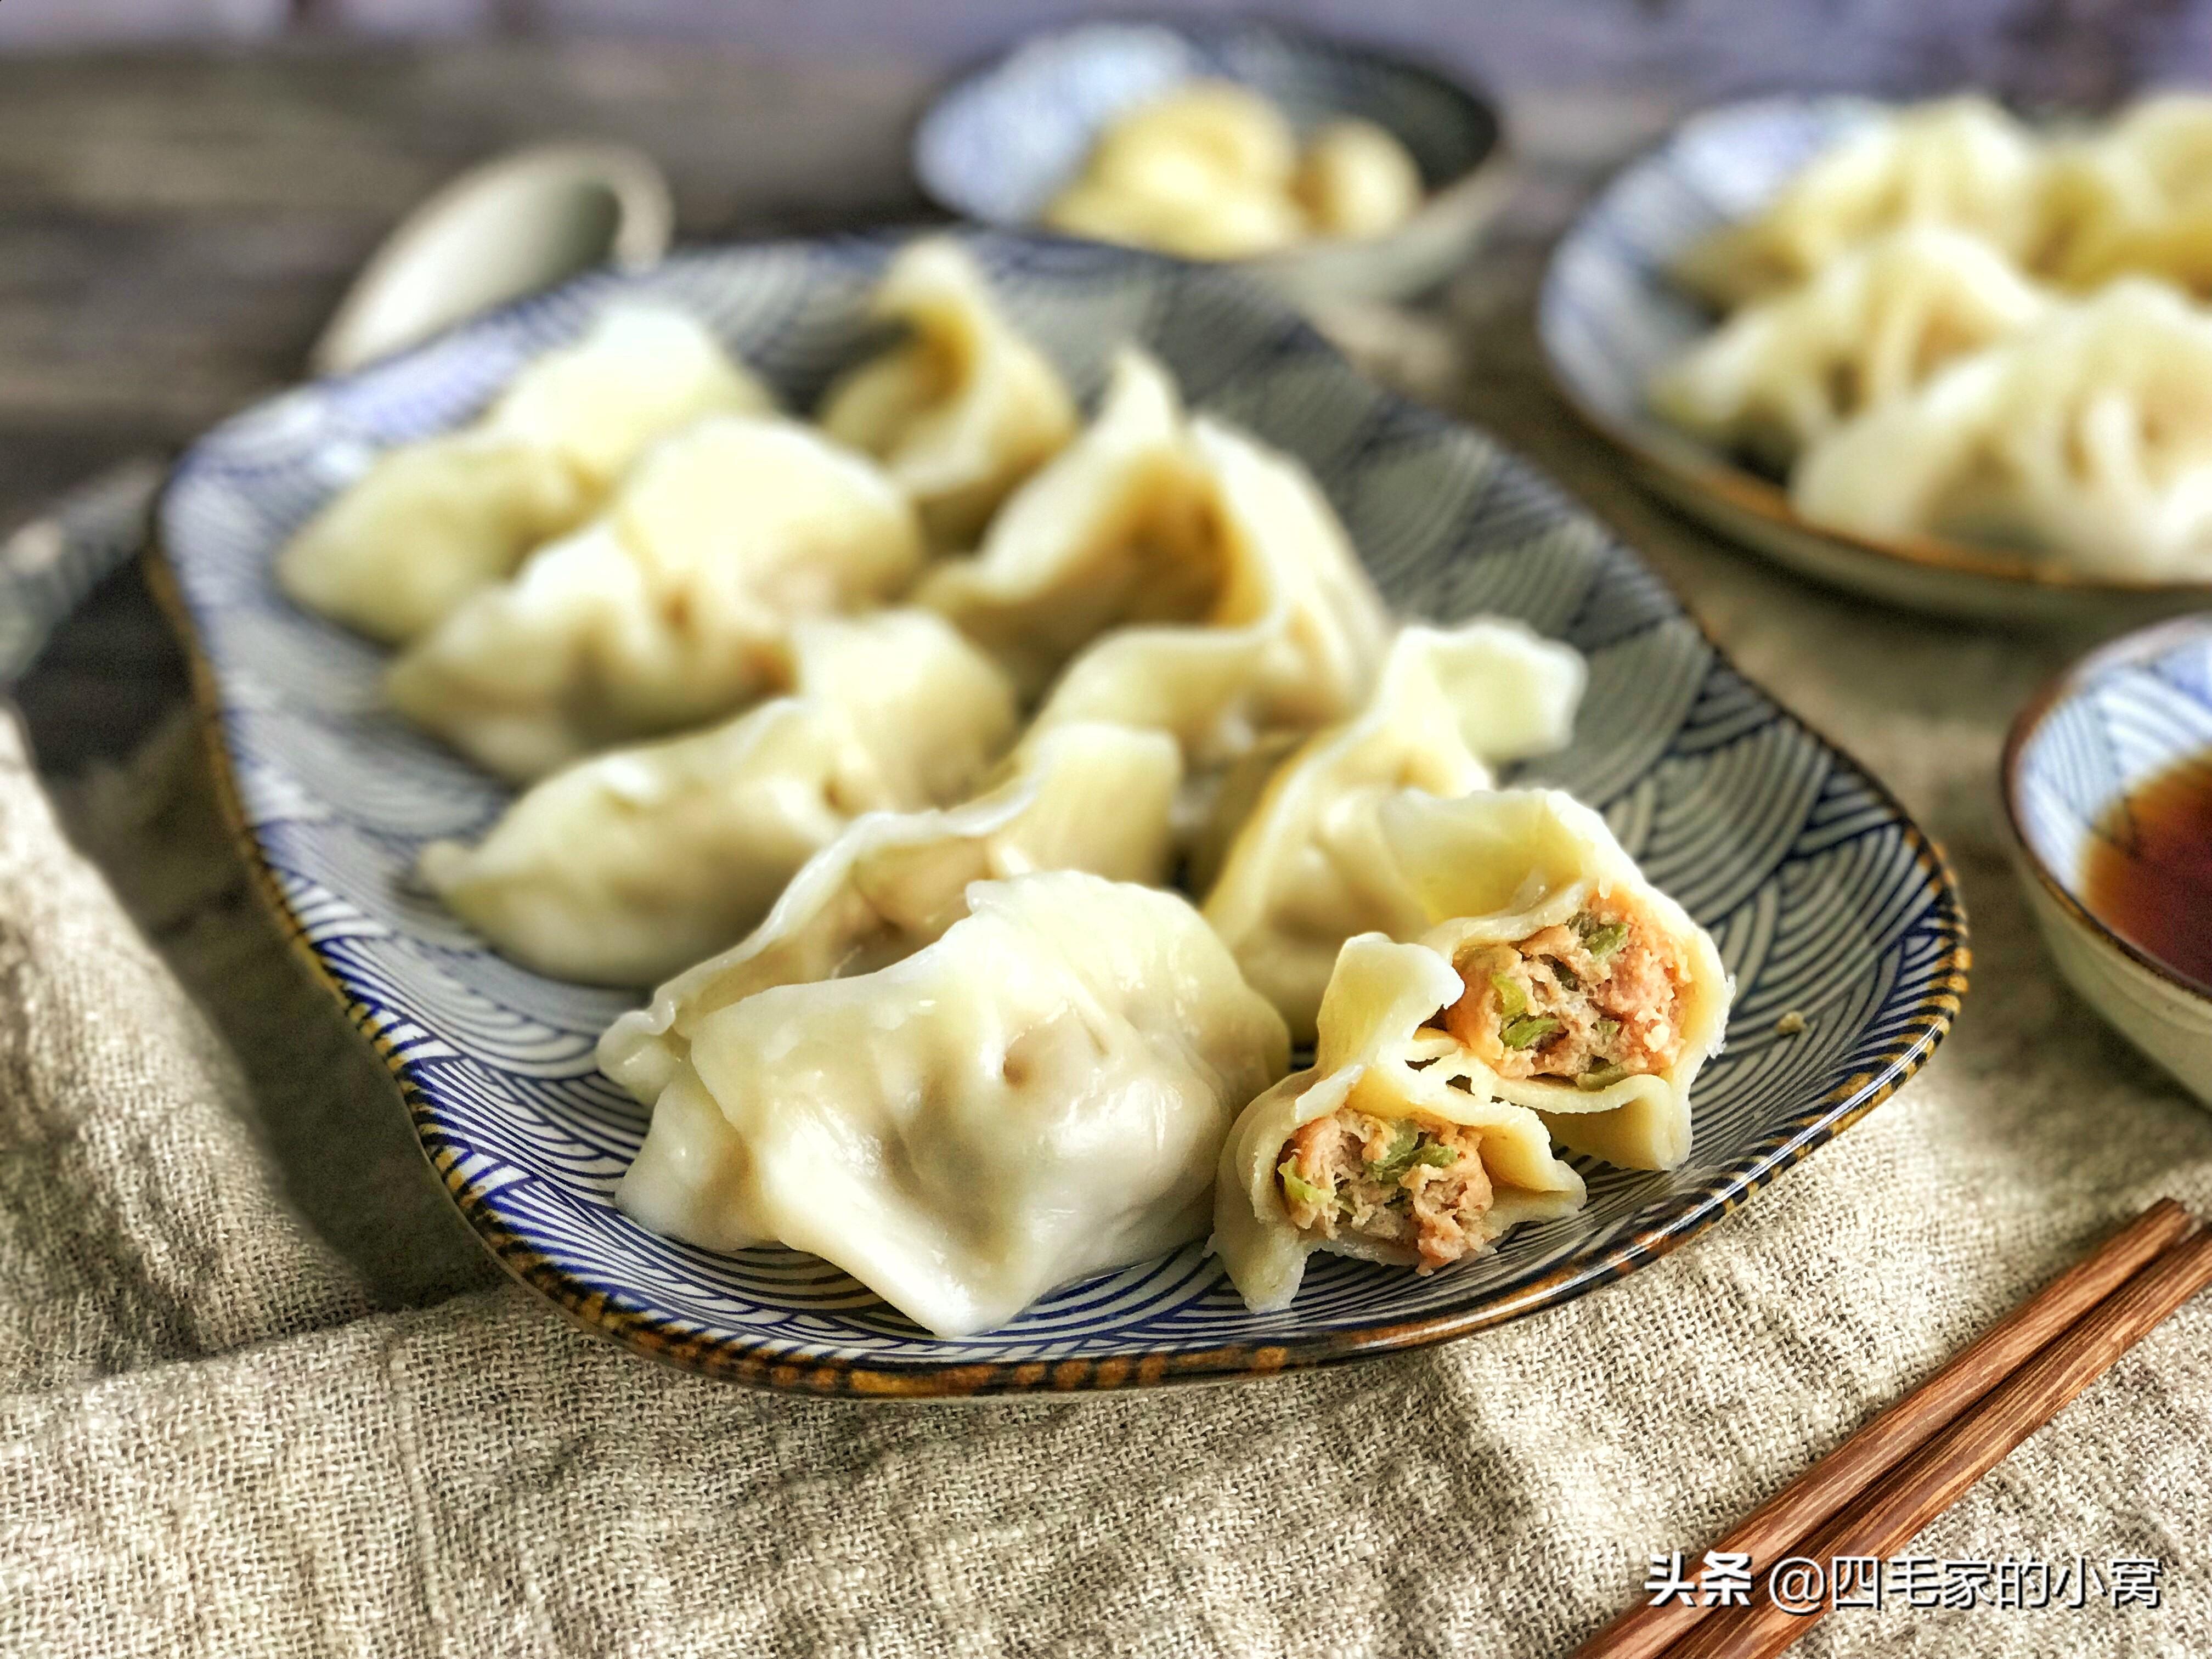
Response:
column 996, row 799
column 1948, row 325
column 1212, row 170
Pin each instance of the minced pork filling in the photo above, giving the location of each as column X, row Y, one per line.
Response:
column 1592, row 1001
column 1414, row 1182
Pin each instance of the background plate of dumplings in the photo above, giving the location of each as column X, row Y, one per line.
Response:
column 1828, row 904
column 1611, row 314
column 999, row 143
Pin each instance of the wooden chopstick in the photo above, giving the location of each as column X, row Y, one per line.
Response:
column 1882, row 1522
column 1792, row 1514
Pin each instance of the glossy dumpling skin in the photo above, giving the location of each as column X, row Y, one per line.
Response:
column 669, row 611
column 1356, row 179
column 1958, row 161
column 430, row 523
column 2136, row 198
column 1308, row 870
column 1093, row 798
column 1040, row 1094
column 624, row 868
column 1877, row 323
column 1289, row 635
column 1587, row 994
column 963, row 408
column 1373, row 1153
column 1204, row 171
column 1117, row 529
column 2089, row 440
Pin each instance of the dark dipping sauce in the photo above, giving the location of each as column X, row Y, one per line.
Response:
column 2157, row 893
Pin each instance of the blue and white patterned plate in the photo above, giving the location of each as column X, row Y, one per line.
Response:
column 1827, row 902
column 999, row 143
column 2078, row 757
column 1610, row 315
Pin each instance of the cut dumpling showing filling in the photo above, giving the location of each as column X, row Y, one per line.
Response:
column 1120, row 527
column 1582, row 991
column 433, row 522
column 1093, row 798
column 1040, row 1094
column 627, row 866
column 1308, row 869
column 1289, row 635
column 1960, row 161
column 1393, row 1147
column 1878, row 322
column 671, row 609
column 2089, row 438
column 963, row 408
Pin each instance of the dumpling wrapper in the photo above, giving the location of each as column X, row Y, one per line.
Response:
column 1959, row 161
column 1094, row 797
column 1356, row 179
column 433, row 522
column 2136, row 198
column 628, row 866
column 1204, row 171
column 2087, row 440
column 1291, row 638
column 961, row 411
column 671, row 609
column 1497, row 868
column 1115, row 529
column 1876, row 324
column 1377, row 1057
column 1040, row 1095
column 1309, row 870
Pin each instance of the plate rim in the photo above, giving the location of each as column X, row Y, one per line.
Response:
column 1715, row 477
column 738, row 1359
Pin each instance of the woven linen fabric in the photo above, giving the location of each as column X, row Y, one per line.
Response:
column 266, row 1399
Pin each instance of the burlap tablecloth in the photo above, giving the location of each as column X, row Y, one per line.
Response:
column 263, row 1395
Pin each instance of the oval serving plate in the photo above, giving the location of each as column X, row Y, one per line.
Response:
column 1827, row 900
column 1610, row 316
column 1003, row 140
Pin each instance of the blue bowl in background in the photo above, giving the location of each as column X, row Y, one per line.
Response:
column 1002, row 141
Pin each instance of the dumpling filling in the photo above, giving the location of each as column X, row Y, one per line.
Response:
column 1413, row 1181
column 1592, row 1001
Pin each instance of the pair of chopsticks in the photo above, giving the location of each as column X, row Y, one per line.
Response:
column 1873, row 1494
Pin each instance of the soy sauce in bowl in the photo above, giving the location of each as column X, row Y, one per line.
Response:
column 2149, row 873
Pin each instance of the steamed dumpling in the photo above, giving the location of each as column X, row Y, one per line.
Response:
column 671, row 609
column 2134, row 199
column 1878, row 322
column 625, row 867
column 1039, row 1094
column 1587, row 994
column 1115, row 530
column 433, row 522
column 1308, row 870
column 1286, row 633
column 1093, row 798
column 1959, row 161
column 2089, row 439
column 1392, row 1147
column 963, row 408
column 1204, row 171
column 1356, row 179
